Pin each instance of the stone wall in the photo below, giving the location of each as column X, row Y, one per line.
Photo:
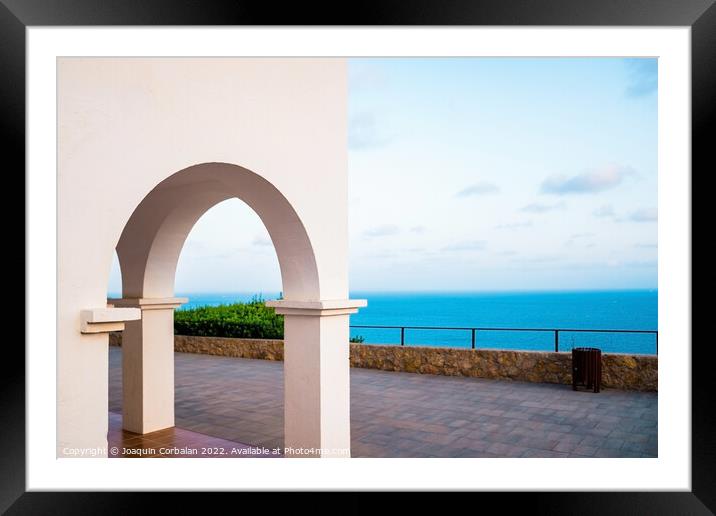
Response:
column 619, row 371
column 264, row 349
column 629, row 372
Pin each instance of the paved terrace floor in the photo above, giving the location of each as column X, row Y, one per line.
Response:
column 175, row 442
column 413, row 415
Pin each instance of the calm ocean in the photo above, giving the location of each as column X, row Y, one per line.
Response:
column 629, row 310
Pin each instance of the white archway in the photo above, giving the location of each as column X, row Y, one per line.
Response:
column 145, row 146
column 152, row 240
column 317, row 400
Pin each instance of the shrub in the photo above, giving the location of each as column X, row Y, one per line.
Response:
column 252, row 320
column 358, row 339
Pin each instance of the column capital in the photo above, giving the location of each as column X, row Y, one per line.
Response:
column 317, row 308
column 148, row 303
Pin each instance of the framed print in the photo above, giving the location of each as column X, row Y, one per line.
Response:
column 436, row 249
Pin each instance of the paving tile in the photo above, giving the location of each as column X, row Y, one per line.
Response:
column 571, row 438
column 584, row 450
column 633, row 447
column 598, row 432
column 608, row 453
column 592, row 440
column 506, row 450
column 632, row 437
column 472, row 444
column 566, row 447
column 538, row 443
column 536, row 453
column 613, row 443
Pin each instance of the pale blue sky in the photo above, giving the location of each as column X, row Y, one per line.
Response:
column 476, row 174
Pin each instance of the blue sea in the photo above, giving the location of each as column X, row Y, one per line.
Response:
column 612, row 310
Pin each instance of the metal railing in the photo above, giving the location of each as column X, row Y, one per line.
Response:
column 473, row 332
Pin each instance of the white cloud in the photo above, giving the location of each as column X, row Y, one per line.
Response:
column 644, row 215
column 262, row 241
column 380, row 231
column 363, row 76
column 591, row 181
column 471, row 245
column 606, row 210
column 642, row 263
column 481, row 188
column 363, row 133
column 579, row 236
column 536, row 207
column 515, row 225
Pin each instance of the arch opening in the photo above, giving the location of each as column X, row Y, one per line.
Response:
column 153, row 238
column 248, row 249
column 148, row 252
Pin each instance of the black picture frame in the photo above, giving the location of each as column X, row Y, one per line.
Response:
column 700, row 15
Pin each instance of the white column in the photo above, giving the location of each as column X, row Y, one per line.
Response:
column 148, row 364
column 316, row 376
column 82, row 361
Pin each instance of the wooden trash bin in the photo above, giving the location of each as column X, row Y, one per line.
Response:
column 587, row 368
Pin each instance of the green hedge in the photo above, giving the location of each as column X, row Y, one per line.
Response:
column 252, row 320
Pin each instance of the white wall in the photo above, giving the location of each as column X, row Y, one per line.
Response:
column 126, row 124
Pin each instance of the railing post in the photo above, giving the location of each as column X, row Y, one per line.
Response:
column 473, row 338
column 556, row 341
column 402, row 335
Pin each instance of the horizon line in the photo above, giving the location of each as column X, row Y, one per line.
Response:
column 431, row 291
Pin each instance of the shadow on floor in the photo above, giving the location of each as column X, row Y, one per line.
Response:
column 176, row 443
